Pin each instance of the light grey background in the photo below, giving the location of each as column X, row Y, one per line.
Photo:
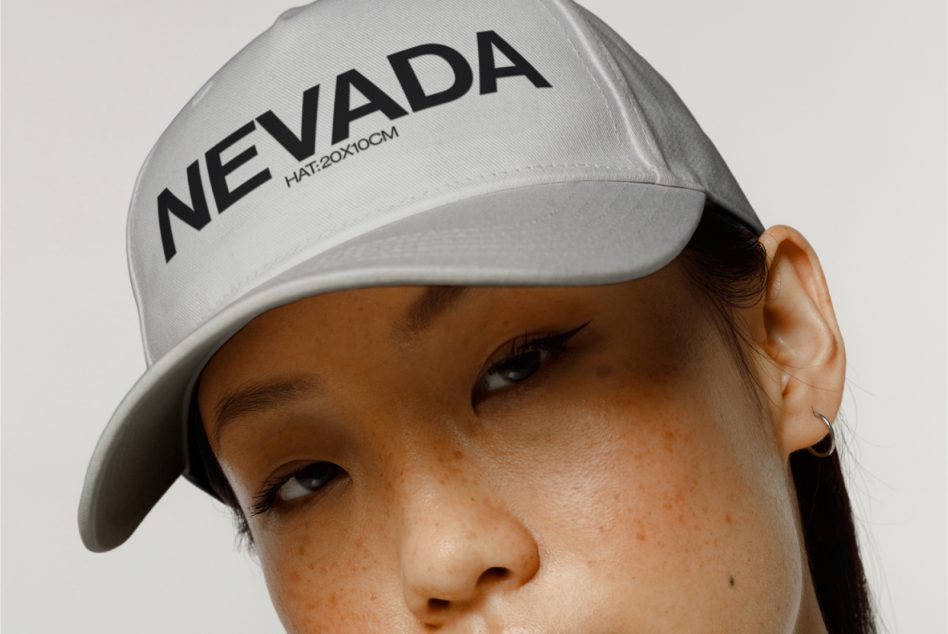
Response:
column 830, row 114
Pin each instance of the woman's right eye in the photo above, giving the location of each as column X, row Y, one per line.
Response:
column 307, row 480
column 300, row 484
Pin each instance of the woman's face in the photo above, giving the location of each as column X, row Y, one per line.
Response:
column 407, row 467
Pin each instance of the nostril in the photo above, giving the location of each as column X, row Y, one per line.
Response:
column 496, row 572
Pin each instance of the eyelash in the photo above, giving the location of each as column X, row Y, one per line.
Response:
column 267, row 500
column 528, row 343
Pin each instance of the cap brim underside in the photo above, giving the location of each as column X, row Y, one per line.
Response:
column 549, row 234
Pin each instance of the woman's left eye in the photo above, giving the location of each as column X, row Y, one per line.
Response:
column 528, row 354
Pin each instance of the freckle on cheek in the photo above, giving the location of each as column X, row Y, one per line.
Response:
column 727, row 518
column 730, row 580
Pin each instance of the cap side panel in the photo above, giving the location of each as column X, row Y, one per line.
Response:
column 688, row 150
column 129, row 261
column 594, row 75
column 641, row 134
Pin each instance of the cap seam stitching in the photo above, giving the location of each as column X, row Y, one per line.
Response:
column 130, row 230
column 634, row 105
column 589, row 71
column 733, row 204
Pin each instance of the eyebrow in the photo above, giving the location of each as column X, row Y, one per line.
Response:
column 426, row 309
column 258, row 397
column 421, row 314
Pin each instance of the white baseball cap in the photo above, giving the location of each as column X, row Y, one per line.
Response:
column 360, row 143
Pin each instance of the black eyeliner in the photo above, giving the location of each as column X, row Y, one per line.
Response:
column 524, row 343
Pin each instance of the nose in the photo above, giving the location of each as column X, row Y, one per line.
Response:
column 459, row 546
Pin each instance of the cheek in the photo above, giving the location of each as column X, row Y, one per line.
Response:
column 315, row 593
column 668, row 497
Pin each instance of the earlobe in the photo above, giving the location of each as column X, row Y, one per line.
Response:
column 801, row 339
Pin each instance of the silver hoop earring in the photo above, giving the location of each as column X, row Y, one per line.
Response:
column 832, row 435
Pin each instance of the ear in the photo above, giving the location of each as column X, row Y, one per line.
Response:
column 797, row 330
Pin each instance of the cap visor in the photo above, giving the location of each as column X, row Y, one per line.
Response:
column 549, row 234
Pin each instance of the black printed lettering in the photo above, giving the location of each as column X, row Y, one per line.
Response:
column 300, row 142
column 486, row 41
column 303, row 146
column 417, row 99
column 217, row 172
column 378, row 102
column 196, row 216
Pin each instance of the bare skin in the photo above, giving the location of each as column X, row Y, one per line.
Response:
column 627, row 483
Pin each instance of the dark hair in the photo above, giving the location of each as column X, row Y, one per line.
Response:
column 724, row 261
